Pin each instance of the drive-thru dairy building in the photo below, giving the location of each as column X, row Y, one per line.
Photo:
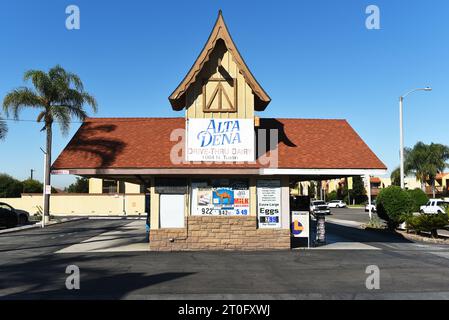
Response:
column 218, row 178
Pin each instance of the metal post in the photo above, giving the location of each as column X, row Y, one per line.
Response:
column 43, row 191
column 401, row 141
column 401, row 133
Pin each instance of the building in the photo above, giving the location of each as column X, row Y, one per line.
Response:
column 217, row 177
column 108, row 186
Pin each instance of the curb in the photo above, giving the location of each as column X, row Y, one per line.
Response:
column 415, row 237
column 39, row 225
column 16, row 229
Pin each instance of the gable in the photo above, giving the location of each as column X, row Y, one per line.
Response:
column 220, row 60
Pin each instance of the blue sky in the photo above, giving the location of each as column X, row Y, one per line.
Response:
column 316, row 59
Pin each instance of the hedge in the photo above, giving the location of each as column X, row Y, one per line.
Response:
column 419, row 198
column 394, row 205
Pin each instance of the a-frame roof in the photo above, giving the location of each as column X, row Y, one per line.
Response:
column 220, row 31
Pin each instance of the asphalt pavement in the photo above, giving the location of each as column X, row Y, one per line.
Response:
column 33, row 266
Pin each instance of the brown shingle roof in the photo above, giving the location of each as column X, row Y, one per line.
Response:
column 145, row 143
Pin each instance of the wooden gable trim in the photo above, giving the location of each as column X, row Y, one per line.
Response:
column 220, row 31
column 219, row 90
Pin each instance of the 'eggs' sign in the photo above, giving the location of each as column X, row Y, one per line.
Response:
column 223, row 140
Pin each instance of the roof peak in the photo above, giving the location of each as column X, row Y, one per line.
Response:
column 219, row 32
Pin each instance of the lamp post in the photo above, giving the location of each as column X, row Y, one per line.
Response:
column 401, row 131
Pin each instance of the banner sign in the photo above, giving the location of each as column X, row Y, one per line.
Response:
column 229, row 201
column 269, row 203
column 220, row 140
column 300, row 224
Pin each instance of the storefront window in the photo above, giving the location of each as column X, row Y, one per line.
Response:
column 227, row 197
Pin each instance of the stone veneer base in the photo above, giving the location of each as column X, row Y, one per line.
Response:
column 219, row 233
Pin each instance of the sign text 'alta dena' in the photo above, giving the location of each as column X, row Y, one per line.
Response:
column 225, row 140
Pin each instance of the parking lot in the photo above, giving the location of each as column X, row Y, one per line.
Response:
column 114, row 264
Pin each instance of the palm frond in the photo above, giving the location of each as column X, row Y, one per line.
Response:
column 58, row 73
column 62, row 116
column 40, row 80
column 15, row 100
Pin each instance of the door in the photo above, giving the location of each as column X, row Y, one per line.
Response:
column 171, row 211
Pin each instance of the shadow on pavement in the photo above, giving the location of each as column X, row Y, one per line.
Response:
column 45, row 277
column 337, row 233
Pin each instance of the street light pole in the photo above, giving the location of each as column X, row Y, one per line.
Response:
column 401, row 138
column 401, row 132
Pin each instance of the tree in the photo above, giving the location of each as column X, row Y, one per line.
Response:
column 396, row 177
column 10, row 187
column 311, row 190
column 358, row 192
column 60, row 96
column 426, row 161
column 3, row 129
column 32, row 186
column 80, row 186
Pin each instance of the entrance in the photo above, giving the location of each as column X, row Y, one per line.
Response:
column 171, row 211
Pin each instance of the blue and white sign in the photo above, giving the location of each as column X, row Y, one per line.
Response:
column 220, row 140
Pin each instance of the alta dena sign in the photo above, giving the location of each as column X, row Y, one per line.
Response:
column 220, row 140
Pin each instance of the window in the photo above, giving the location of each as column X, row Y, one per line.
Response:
column 109, row 186
column 229, row 197
column 5, row 207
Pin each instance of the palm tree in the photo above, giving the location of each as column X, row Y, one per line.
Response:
column 396, row 177
column 3, row 129
column 426, row 161
column 59, row 96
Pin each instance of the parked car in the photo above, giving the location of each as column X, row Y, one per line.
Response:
column 319, row 207
column 434, row 206
column 336, row 204
column 10, row 217
column 373, row 206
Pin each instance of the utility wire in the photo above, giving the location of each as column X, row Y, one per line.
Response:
column 96, row 120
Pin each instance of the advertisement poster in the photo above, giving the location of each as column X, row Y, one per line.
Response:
column 219, row 201
column 220, row 140
column 300, row 224
column 269, row 203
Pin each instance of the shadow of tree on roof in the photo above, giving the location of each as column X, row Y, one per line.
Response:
column 89, row 140
column 269, row 124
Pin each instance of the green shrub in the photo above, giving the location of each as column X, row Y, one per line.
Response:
column 419, row 198
column 394, row 205
column 32, row 186
column 10, row 187
column 375, row 223
column 428, row 222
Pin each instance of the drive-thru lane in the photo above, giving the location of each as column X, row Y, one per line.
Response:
column 31, row 268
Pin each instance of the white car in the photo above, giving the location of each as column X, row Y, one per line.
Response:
column 434, row 206
column 336, row 204
column 319, row 206
column 373, row 206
